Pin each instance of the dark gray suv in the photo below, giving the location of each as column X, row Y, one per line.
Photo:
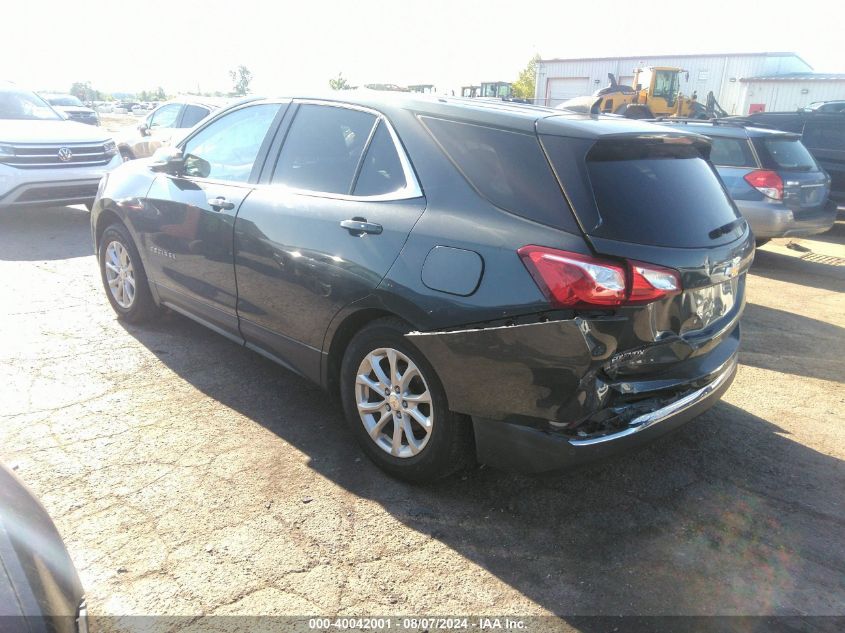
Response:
column 510, row 283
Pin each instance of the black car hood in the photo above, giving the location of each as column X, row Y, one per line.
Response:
column 37, row 576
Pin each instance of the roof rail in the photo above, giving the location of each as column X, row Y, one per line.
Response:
column 713, row 121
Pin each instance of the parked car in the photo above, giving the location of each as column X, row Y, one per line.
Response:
column 822, row 132
column 39, row 587
column 45, row 159
column 73, row 108
column 173, row 118
column 124, row 107
column 777, row 185
column 420, row 257
column 826, row 106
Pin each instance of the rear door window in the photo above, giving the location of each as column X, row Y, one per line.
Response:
column 731, row 152
column 323, row 148
column 660, row 194
column 507, row 168
column 784, row 154
column 193, row 115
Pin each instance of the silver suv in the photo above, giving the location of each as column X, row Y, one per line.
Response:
column 45, row 159
column 72, row 108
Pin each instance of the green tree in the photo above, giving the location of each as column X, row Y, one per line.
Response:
column 340, row 83
column 241, row 78
column 523, row 87
column 160, row 94
column 83, row 91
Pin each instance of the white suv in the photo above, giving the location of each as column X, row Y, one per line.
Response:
column 45, row 159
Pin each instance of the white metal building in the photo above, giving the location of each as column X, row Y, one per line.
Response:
column 775, row 80
column 790, row 92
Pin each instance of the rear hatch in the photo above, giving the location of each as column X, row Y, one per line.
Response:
column 650, row 195
column 805, row 186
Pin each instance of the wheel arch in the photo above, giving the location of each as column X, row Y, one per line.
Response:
column 338, row 338
column 341, row 331
column 124, row 148
column 106, row 218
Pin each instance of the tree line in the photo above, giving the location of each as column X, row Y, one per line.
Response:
column 241, row 79
column 523, row 86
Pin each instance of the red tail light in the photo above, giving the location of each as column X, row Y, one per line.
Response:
column 571, row 280
column 766, row 182
column 650, row 283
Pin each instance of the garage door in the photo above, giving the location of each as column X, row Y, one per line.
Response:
column 559, row 89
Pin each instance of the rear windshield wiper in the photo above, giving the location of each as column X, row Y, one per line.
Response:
column 724, row 229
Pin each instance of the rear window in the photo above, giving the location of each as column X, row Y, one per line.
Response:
column 508, row 168
column 784, row 154
column 661, row 194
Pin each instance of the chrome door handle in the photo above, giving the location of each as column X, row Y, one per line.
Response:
column 360, row 226
column 220, row 204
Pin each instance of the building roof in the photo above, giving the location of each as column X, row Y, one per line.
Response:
column 798, row 77
column 686, row 55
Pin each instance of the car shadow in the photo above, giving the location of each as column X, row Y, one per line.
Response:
column 44, row 233
column 790, row 269
column 804, row 346
column 836, row 234
column 728, row 515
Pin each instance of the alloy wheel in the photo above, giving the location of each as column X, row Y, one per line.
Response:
column 120, row 274
column 394, row 402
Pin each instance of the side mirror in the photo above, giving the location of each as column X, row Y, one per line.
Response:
column 168, row 160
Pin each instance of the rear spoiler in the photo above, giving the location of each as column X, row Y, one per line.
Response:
column 582, row 105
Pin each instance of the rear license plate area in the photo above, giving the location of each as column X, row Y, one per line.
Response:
column 705, row 306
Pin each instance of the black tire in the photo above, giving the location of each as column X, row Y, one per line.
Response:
column 142, row 307
column 450, row 443
column 761, row 242
column 634, row 111
column 126, row 155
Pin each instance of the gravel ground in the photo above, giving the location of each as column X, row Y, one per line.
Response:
column 190, row 476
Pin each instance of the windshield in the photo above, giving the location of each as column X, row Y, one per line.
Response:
column 666, row 84
column 64, row 100
column 785, row 154
column 19, row 104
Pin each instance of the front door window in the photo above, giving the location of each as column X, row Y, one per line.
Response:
column 227, row 148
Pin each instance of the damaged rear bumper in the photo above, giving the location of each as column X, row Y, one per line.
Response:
column 549, row 395
column 526, row 449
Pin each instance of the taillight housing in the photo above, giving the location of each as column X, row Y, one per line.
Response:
column 572, row 280
column 767, row 182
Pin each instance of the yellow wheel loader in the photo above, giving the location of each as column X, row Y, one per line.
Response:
column 656, row 93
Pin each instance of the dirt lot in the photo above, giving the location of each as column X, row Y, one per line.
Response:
column 189, row 476
column 119, row 122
